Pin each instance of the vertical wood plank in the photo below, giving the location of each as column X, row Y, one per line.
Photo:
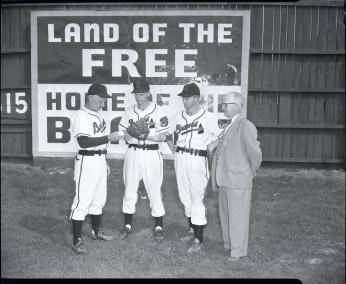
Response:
column 252, row 107
column 330, row 71
column 329, row 111
column 299, row 45
column 267, row 71
column 276, row 70
column 306, row 27
column 327, row 144
column 321, row 73
column 318, row 144
column 285, row 108
column 291, row 28
column 313, row 72
column 313, row 34
column 340, row 30
column 283, row 27
column 331, row 29
column 276, row 28
column 255, row 71
column 322, row 28
column 256, row 27
column 297, row 70
column 340, row 72
column 268, row 27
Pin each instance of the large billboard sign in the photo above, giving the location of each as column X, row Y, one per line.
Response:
column 73, row 49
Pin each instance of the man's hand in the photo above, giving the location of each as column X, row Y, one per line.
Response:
column 116, row 136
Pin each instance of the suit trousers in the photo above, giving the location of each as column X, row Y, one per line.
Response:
column 234, row 209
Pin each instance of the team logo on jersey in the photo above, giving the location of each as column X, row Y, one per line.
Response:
column 223, row 123
column 163, row 121
column 99, row 127
column 193, row 126
column 151, row 123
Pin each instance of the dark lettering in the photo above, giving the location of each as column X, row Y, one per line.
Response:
column 51, row 101
column 53, row 129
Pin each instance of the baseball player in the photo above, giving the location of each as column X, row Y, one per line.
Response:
column 143, row 159
column 195, row 129
column 91, row 168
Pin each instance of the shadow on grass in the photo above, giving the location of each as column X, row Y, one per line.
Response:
column 56, row 230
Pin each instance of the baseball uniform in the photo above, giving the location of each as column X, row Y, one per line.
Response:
column 90, row 172
column 143, row 160
column 194, row 133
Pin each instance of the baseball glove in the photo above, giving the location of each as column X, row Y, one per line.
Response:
column 138, row 129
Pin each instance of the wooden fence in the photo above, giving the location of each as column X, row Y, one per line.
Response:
column 296, row 76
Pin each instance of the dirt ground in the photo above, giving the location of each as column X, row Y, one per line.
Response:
column 297, row 229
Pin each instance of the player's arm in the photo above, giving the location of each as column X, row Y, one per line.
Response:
column 160, row 137
column 86, row 142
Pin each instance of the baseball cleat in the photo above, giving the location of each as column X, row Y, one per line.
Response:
column 79, row 247
column 234, row 258
column 188, row 237
column 125, row 232
column 195, row 247
column 100, row 236
column 158, row 235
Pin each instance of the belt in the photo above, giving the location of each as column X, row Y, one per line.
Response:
column 191, row 151
column 145, row 146
column 92, row 152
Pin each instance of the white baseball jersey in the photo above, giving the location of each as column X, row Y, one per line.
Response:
column 90, row 172
column 144, row 164
column 192, row 173
column 89, row 123
column 196, row 131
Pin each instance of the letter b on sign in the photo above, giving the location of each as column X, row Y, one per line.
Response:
column 58, row 130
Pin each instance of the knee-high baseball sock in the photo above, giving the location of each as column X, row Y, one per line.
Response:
column 128, row 219
column 96, row 223
column 199, row 232
column 77, row 230
column 158, row 221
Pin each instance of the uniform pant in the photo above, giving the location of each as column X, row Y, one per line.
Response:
column 192, row 178
column 147, row 165
column 90, row 175
column 234, row 209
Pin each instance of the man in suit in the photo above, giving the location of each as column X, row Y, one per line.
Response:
column 236, row 161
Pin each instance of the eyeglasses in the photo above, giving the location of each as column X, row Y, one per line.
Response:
column 223, row 105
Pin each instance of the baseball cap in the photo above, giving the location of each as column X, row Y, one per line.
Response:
column 190, row 90
column 140, row 85
column 232, row 97
column 98, row 89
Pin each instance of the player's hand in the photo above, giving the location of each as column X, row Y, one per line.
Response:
column 116, row 136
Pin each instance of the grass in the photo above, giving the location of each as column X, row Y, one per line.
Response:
column 297, row 229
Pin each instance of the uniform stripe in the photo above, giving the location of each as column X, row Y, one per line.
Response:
column 150, row 112
column 134, row 110
column 80, row 175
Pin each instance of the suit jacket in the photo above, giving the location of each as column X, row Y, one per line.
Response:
column 238, row 156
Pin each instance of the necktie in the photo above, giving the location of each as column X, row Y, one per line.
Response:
column 221, row 142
